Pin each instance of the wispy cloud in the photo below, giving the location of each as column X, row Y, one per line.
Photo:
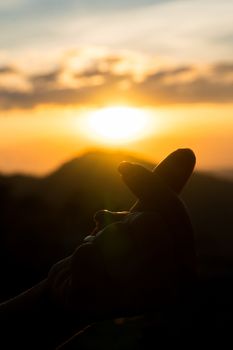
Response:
column 12, row 81
column 149, row 52
column 112, row 78
column 7, row 70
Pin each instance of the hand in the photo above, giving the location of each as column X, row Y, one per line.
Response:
column 142, row 259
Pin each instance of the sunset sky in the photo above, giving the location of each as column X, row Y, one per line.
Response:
column 64, row 62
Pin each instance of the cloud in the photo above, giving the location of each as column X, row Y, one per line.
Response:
column 223, row 68
column 47, row 81
column 199, row 90
column 12, row 80
column 167, row 73
column 111, row 79
column 7, row 69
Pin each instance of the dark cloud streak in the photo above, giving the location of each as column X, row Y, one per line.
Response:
column 223, row 68
column 168, row 73
column 161, row 87
column 7, row 69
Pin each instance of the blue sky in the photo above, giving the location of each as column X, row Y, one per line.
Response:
column 58, row 6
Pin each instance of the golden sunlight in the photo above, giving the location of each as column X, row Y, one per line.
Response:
column 117, row 125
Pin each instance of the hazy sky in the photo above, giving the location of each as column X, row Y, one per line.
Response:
column 59, row 58
column 193, row 30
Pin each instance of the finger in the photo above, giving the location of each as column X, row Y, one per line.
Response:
column 104, row 218
column 139, row 179
column 166, row 181
column 176, row 168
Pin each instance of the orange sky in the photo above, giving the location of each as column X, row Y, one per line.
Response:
column 39, row 143
column 60, row 61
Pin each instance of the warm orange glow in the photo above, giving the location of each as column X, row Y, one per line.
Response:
column 39, row 140
column 117, row 125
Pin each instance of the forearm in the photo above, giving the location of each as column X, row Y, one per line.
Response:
column 32, row 321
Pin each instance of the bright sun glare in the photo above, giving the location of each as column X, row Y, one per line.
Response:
column 116, row 125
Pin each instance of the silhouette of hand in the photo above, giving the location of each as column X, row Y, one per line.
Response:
column 135, row 260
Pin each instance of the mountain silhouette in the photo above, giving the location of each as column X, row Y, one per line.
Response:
column 43, row 219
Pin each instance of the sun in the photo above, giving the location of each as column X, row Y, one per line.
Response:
column 117, row 125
